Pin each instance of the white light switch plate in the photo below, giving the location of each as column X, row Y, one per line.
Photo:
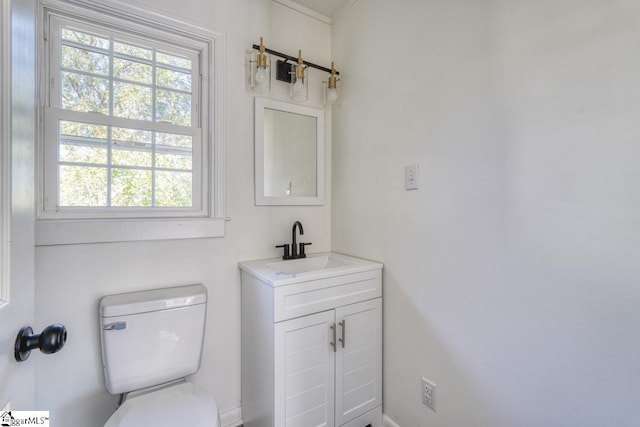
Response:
column 411, row 177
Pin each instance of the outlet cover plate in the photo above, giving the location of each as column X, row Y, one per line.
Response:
column 428, row 394
column 411, row 177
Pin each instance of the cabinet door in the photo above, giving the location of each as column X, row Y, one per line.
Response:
column 304, row 371
column 358, row 359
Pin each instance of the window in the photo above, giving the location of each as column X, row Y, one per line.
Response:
column 127, row 108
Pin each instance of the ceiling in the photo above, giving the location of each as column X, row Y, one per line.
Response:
column 324, row 7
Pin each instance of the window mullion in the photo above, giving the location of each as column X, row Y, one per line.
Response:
column 109, row 162
column 111, row 77
column 153, row 134
column 98, row 118
column 109, row 128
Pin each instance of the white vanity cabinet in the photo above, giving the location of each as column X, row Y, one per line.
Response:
column 312, row 345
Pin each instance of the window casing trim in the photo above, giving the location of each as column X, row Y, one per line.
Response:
column 209, row 220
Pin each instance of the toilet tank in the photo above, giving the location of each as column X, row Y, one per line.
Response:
column 151, row 337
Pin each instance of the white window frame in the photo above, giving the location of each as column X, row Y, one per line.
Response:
column 53, row 114
column 89, row 225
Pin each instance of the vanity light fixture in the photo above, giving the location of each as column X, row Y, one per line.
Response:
column 300, row 81
column 295, row 73
column 331, row 91
column 260, row 70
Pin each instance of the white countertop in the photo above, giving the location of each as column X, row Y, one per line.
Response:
column 277, row 272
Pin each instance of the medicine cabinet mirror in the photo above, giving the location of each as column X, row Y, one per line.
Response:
column 289, row 154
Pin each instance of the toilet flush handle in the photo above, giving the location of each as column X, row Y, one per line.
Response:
column 115, row 326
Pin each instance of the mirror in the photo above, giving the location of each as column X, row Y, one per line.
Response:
column 289, row 154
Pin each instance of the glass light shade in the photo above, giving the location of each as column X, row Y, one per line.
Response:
column 331, row 89
column 300, row 85
column 260, row 72
column 261, row 75
column 331, row 96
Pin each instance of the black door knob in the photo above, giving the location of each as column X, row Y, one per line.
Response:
column 50, row 340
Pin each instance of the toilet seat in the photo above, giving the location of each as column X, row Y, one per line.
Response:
column 182, row 404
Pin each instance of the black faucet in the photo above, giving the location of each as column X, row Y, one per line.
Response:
column 297, row 251
column 294, row 247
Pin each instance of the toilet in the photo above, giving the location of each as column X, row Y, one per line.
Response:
column 151, row 341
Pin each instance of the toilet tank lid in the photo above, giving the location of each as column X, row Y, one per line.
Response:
column 152, row 300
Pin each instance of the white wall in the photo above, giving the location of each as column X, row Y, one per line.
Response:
column 511, row 276
column 70, row 280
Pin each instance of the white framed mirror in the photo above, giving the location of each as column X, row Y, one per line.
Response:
column 289, row 154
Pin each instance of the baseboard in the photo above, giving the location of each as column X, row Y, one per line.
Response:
column 231, row 417
column 388, row 422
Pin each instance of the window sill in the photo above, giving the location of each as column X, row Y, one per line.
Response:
column 75, row 232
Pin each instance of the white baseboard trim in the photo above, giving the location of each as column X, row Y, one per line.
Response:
column 231, row 417
column 388, row 422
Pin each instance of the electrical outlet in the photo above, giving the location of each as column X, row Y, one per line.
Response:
column 428, row 394
column 411, row 177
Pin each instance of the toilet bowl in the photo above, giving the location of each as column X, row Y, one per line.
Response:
column 181, row 404
column 151, row 341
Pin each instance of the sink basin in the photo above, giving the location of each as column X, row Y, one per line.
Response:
column 276, row 272
column 305, row 265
